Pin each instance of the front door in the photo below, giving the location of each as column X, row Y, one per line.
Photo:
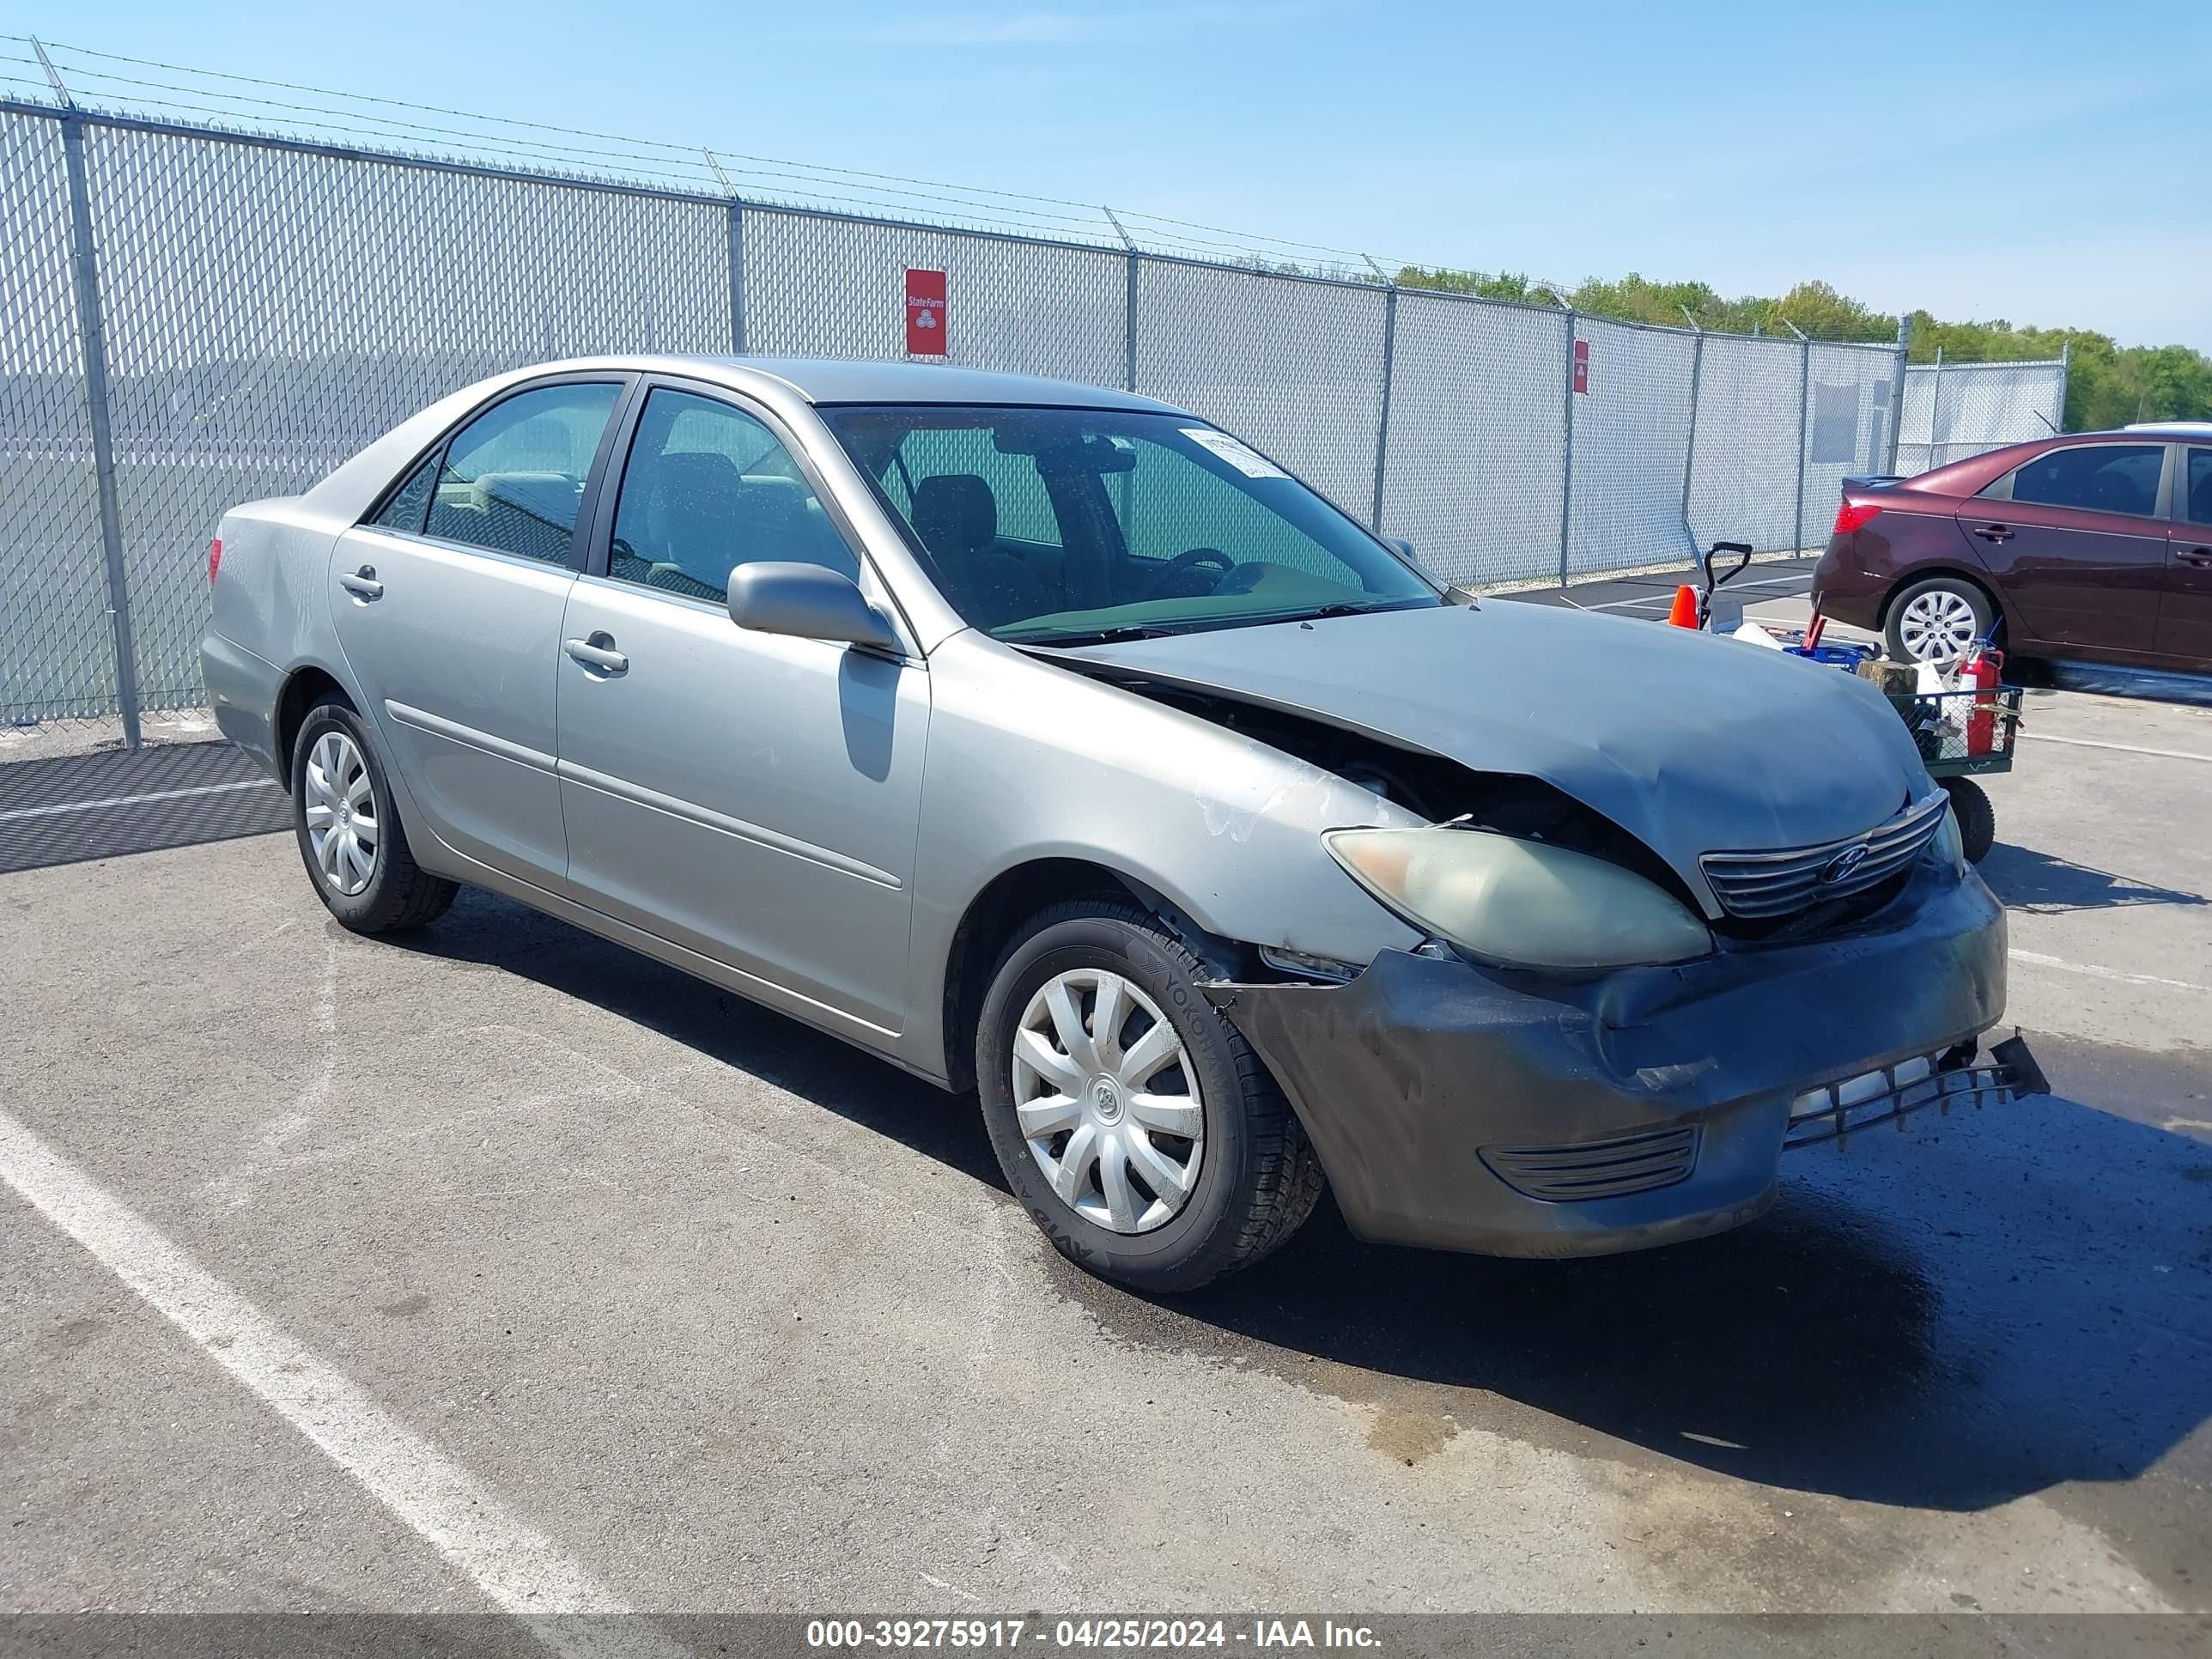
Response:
column 2184, row 614
column 448, row 604
column 752, row 797
column 2077, row 539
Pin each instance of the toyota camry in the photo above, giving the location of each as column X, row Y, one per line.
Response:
column 1053, row 743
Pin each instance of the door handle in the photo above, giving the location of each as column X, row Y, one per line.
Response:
column 2197, row 556
column 362, row 584
column 595, row 654
column 1993, row 532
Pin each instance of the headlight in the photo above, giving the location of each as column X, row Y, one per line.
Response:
column 1519, row 904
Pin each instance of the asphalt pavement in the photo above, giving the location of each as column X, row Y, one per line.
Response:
column 498, row 1269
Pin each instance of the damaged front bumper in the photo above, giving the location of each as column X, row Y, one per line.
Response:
column 1467, row 1109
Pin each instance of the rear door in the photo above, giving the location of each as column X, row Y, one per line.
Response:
column 447, row 604
column 2184, row 614
column 2077, row 536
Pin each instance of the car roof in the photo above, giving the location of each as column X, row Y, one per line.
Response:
column 847, row 381
column 2167, row 430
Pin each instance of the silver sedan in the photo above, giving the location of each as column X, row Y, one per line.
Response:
column 1055, row 743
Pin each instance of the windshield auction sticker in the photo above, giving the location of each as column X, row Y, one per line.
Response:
column 1250, row 462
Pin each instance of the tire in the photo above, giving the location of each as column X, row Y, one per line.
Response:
column 397, row 894
column 1977, row 819
column 1258, row 1177
column 1933, row 611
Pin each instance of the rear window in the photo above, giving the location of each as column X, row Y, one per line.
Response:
column 2094, row 478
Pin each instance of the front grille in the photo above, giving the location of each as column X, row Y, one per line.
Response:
column 1777, row 883
column 1597, row 1169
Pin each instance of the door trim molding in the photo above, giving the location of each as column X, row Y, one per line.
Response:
column 453, row 732
column 691, row 813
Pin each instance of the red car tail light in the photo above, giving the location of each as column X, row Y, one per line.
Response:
column 1854, row 515
column 215, row 559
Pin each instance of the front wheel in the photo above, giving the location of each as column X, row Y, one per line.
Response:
column 1130, row 1119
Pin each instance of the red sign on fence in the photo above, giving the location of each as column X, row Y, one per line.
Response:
column 1582, row 366
column 925, row 313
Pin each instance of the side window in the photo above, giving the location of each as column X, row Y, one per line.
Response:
column 2199, row 499
column 513, row 477
column 2094, row 478
column 708, row 487
column 410, row 501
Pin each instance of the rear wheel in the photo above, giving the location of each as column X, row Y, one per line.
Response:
column 350, row 837
column 1132, row 1119
column 1935, row 619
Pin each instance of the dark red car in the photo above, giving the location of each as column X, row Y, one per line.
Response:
column 2095, row 547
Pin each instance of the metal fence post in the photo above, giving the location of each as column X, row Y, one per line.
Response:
column 1129, row 305
column 736, row 276
column 1936, row 411
column 736, row 254
column 1125, row 481
column 1804, row 400
column 2065, row 373
column 1383, row 425
column 1129, row 324
column 93, row 343
column 1690, row 447
column 1897, row 391
column 1567, row 460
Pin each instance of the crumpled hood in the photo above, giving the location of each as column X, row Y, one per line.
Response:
column 1690, row 743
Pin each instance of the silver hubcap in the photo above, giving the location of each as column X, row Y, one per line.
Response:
column 1936, row 627
column 1108, row 1101
column 341, row 809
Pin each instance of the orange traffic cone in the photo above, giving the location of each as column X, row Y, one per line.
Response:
column 1685, row 611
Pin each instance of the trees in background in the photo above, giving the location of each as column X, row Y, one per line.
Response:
column 2110, row 385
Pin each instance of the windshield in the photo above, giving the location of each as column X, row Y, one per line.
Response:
column 1063, row 526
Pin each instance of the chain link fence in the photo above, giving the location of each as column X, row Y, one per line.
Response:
column 57, row 646
column 191, row 317
column 1953, row 411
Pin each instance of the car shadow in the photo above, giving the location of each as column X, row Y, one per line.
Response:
column 2042, row 885
column 1952, row 1317
column 493, row 932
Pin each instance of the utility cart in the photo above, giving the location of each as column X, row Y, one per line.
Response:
column 1960, row 734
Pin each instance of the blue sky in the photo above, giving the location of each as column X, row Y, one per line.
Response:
column 1980, row 161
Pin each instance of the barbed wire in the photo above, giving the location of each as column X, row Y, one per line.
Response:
column 621, row 157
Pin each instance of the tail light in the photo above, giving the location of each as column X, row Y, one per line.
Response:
column 1854, row 515
column 215, row 559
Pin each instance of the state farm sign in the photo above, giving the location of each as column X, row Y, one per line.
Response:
column 925, row 313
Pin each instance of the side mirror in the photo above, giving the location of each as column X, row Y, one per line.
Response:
column 1404, row 546
column 808, row 602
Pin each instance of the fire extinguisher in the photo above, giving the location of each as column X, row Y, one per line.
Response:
column 1980, row 670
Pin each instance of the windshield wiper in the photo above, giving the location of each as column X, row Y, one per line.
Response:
column 1094, row 635
column 1310, row 613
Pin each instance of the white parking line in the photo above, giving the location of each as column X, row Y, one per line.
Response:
column 2124, row 747
column 14, row 813
column 2037, row 959
column 516, row 1567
